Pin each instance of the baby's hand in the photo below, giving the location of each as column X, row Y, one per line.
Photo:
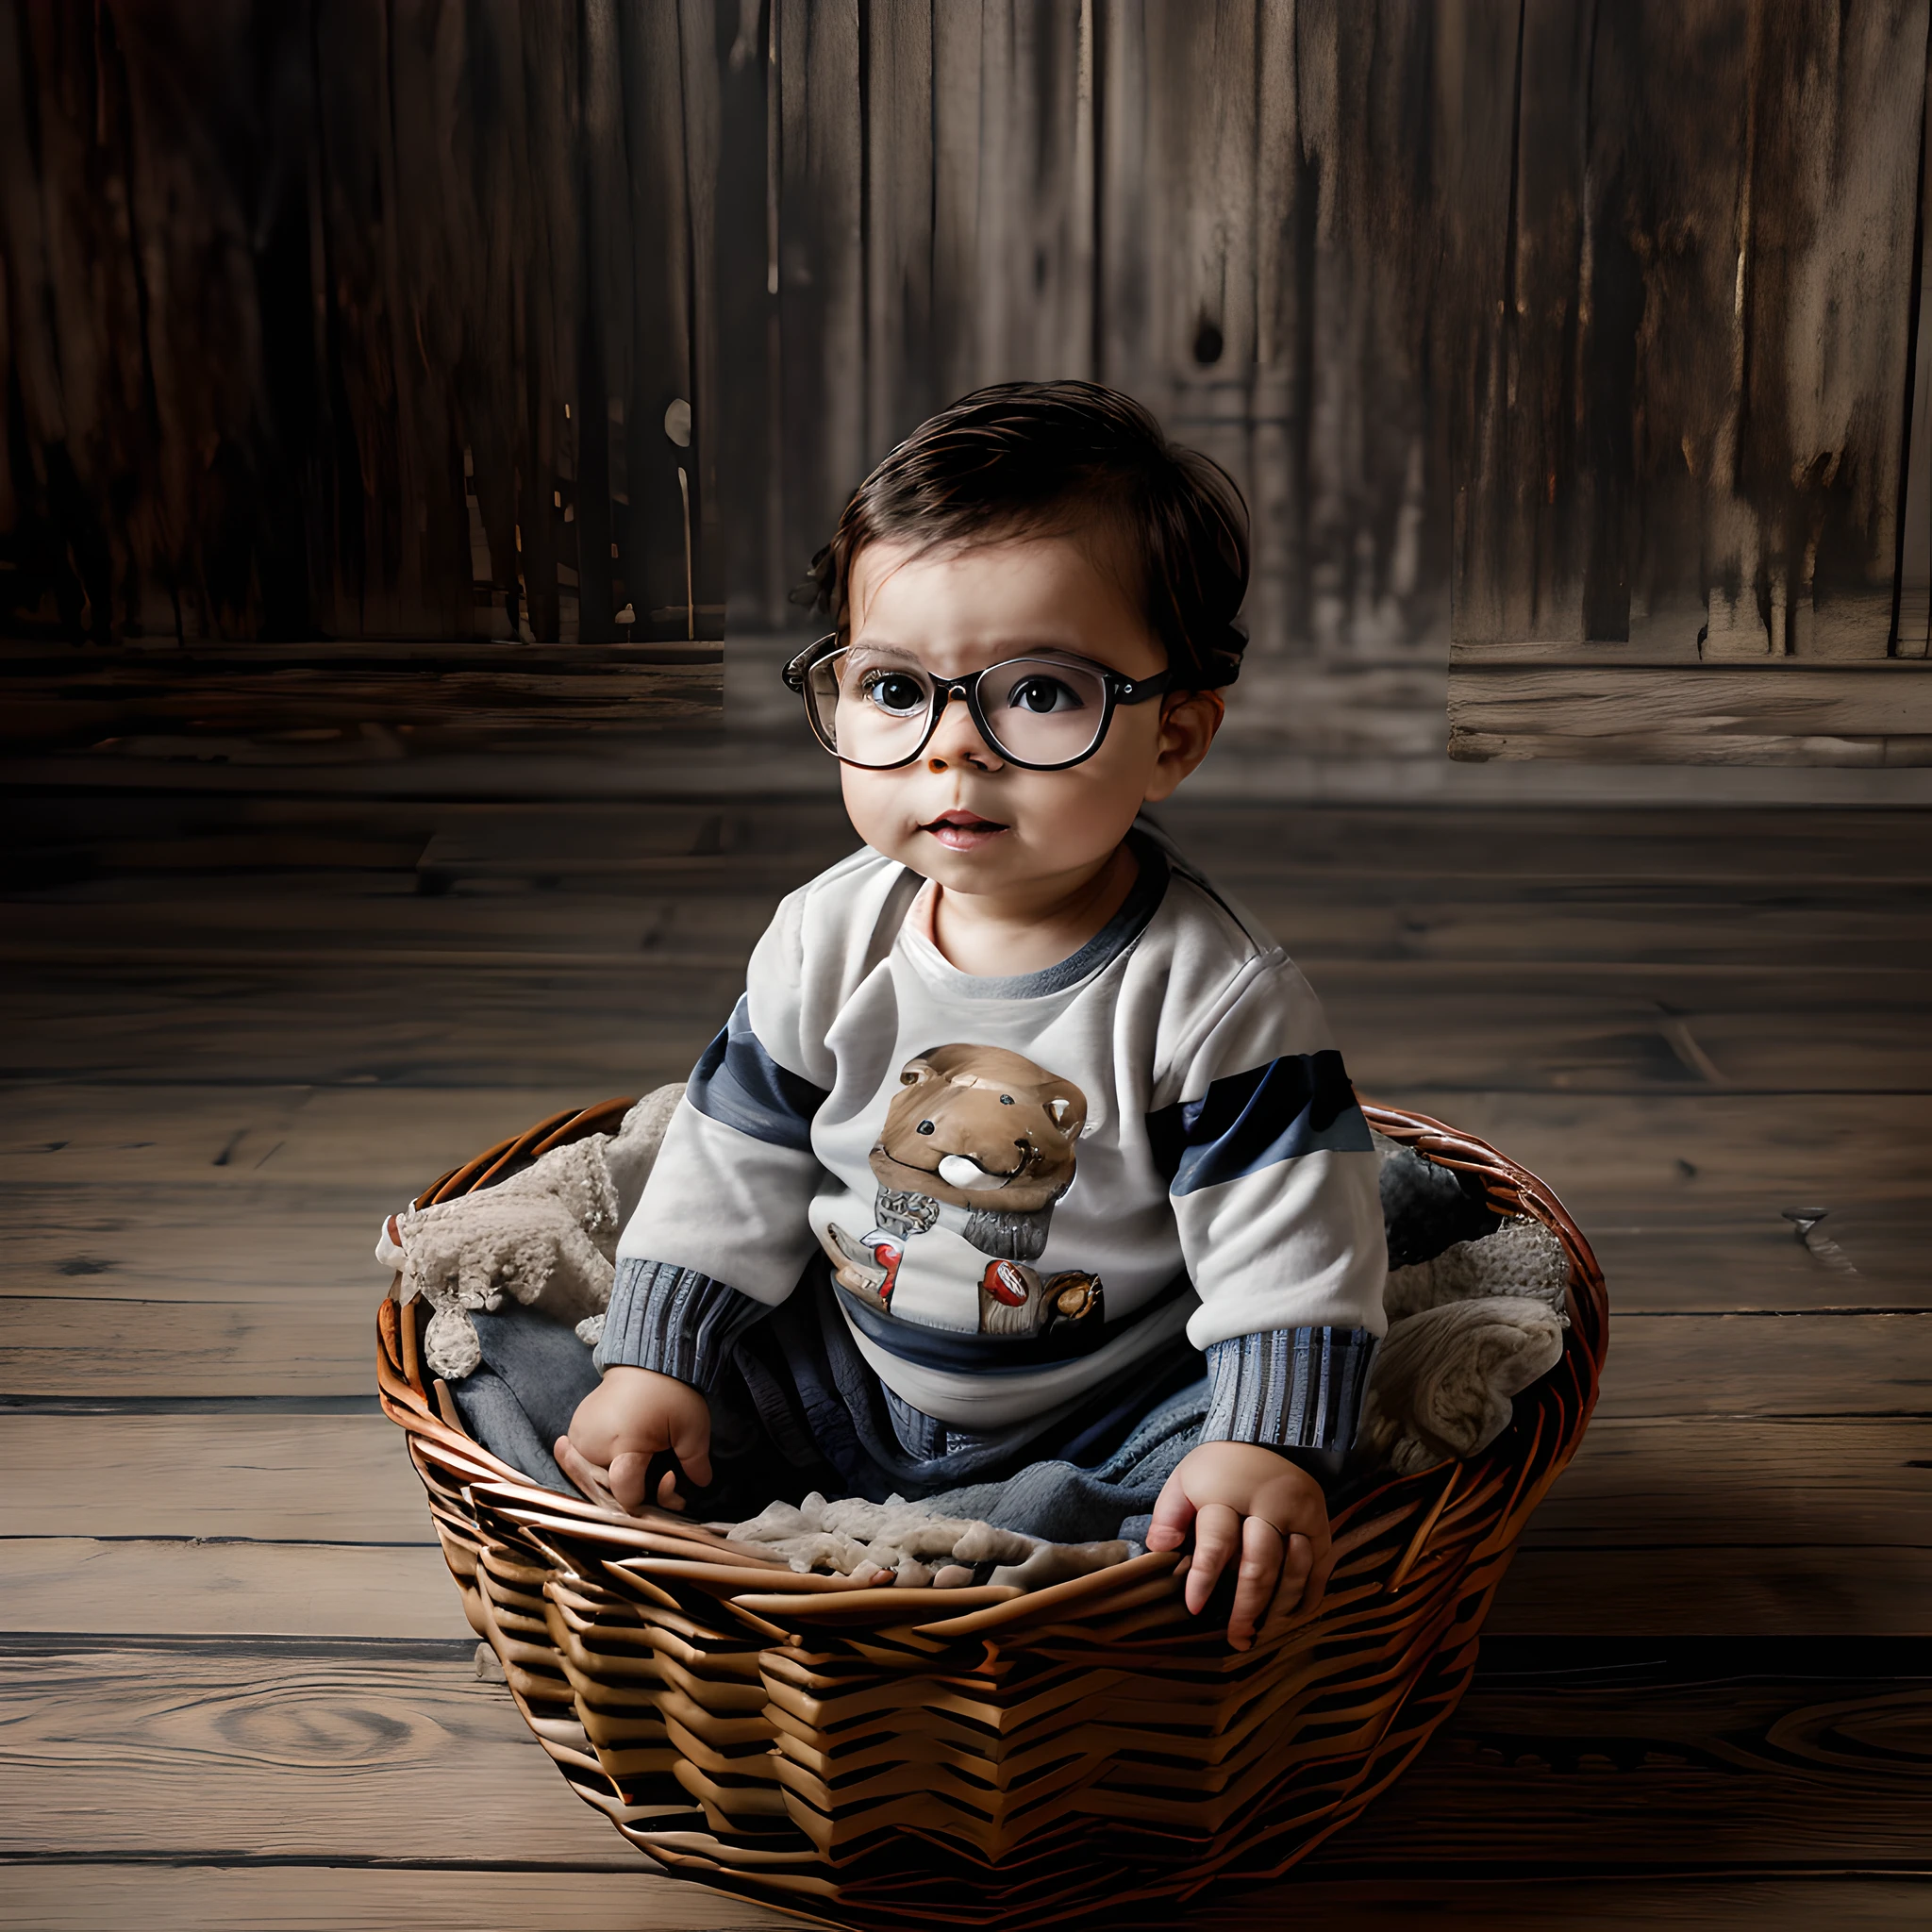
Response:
column 1241, row 1498
column 630, row 1416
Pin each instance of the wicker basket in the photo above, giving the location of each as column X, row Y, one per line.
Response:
column 881, row 1756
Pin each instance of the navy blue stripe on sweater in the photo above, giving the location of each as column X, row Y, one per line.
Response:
column 1299, row 1104
column 738, row 1082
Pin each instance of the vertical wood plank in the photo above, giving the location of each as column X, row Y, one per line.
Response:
column 1037, row 254
column 1914, row 625
column 1700, row 334
column 352, row 66
column 552, row 260
column 52, row 345
column 661, row 356
column 701, row 25
column 898, row 77
column 606, row 327
column 98, row 144
column 1475, row 104
column 1544, row 343
column 1202, row 61
column 821, row 277
column 1279, row 405
column 1129, row 209
column 489, row 136
column 747, row 433
column 430, row 238
column 1365, row 76
column 1829, row 305
column 959, row 106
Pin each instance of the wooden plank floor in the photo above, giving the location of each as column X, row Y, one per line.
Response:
column 236, row 1688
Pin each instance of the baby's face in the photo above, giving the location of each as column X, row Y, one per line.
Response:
column 959, row 813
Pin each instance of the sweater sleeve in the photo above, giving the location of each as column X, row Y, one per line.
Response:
column 673, row 1319
column 720, row 1235
column 1272, row 1178
column 1298, row 1391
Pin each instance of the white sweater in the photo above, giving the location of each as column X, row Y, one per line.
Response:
column 1025, row 1186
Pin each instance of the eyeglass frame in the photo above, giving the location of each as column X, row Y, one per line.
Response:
column 1119, row 690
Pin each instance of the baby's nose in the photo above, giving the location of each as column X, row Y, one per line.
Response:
column 958, row 741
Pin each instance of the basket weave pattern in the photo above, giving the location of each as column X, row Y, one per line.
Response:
column 880, row 1756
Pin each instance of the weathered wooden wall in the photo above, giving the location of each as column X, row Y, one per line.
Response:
column 1687, row 273
column 359, row 318
column 1221, row 205
column 381, row 318
column 1600, row 317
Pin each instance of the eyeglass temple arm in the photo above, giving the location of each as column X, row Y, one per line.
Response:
column 794, row 672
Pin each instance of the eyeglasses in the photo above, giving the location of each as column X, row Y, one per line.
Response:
column 879, row 708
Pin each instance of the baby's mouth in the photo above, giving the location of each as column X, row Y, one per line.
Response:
column 963, row 831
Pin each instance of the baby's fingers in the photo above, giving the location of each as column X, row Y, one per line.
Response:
column 690, row 1443
column 1304, row 1578
column 1217, row 1537
column 629, row 1472
column 1261, row 1563
column 1321, row 1562
column 582, row 1472
column 1173, row 1515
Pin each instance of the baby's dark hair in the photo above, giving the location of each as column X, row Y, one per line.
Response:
column 1052, row 459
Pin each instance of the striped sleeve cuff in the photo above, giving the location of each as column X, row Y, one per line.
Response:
column 1295, row 1389
column 674, row 1320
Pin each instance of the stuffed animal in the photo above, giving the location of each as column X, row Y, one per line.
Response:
column 546, row 1237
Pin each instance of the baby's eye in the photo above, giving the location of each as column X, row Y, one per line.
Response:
column 893, row 691
column 1039, row 694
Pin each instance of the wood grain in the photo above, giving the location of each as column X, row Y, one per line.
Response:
column 1221, row 210
column 1655, row 1484
column 147, row 1588
column 1829, row 1590
column 327, row 333
column 299, row 1755
column 235, row 1897
column 87, row 1897
column 198, row 1240
column 1761, row 1365
column 1677, row 439
column 1776, row 713
column 1566, row 983
column 204, row 701
column 1615, row 1145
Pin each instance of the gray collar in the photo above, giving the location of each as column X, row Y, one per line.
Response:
column 1113, row 939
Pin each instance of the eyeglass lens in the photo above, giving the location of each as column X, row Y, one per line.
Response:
column 873, row 710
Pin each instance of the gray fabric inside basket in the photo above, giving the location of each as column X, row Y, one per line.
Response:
column 535, row 1372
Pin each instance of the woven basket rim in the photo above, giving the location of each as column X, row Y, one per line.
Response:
column 761, row 1587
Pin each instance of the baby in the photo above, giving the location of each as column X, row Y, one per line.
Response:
column 1019, row 1119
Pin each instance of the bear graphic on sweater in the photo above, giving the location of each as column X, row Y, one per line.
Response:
column 983, row 1141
